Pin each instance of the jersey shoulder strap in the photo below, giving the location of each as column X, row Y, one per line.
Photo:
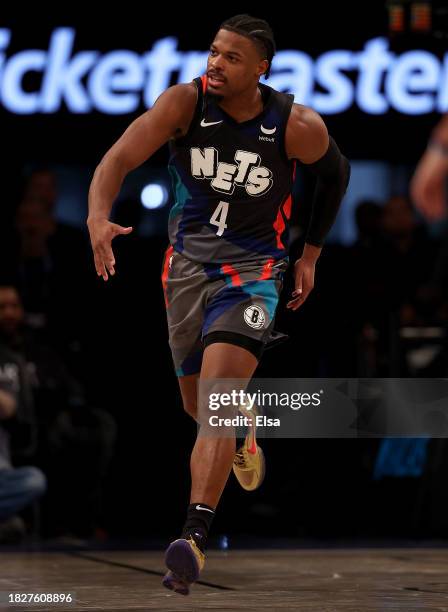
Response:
column 278, row 114
column 201, row 85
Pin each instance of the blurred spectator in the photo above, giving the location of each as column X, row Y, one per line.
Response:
column 42, row 185
column 368, row 221
column 391, row 265
column 366, row 269
column 409, row 254
column 367, row 262
column 19, row 486
column 49, row 261
column 74, row 438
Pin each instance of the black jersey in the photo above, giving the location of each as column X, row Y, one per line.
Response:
column 232, row 182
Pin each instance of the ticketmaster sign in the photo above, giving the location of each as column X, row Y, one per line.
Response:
column 373, row 79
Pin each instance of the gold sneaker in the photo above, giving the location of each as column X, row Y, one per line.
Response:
column 249, row 464
column 185, row 561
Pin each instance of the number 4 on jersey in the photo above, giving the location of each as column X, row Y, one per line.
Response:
column 219, row 217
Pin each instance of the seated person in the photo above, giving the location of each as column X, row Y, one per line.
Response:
column 19, row 486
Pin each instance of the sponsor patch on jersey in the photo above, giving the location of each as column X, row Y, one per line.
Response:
column 268, row 131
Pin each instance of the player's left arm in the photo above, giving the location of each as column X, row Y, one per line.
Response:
column 307, row 140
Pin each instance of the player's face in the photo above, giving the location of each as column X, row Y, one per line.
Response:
column 234, row 64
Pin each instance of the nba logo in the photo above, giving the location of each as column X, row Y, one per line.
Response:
column 254, row 317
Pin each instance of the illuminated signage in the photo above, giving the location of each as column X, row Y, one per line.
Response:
column 374, row 79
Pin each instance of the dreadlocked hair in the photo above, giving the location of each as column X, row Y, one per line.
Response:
column 257, row 30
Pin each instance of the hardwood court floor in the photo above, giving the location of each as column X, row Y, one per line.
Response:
column 323, row 580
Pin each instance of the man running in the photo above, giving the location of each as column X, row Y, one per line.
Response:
column 234, row 143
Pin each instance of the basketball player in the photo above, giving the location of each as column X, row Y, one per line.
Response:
column 234, row 143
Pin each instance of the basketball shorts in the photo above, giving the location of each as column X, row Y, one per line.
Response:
column 207, row 303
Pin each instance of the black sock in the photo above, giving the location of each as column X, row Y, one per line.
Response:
column 197, row 525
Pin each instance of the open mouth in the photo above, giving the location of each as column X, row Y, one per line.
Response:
column 215, row 80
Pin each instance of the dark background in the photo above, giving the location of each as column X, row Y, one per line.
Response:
column 113, row 336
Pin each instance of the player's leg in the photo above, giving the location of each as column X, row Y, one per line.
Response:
column 227, row 303
column 189, row 392
column 243, row 313
column 211, row 462
column 212, row 457
column 184, row 283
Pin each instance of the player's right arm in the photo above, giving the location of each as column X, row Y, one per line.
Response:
column 169, row 118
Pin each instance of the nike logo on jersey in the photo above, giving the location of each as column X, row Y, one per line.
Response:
column 208, row 124
column 268, row 131
column 198, row 507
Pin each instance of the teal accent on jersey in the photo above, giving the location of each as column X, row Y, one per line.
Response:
column 266, row 289
column 181, row 193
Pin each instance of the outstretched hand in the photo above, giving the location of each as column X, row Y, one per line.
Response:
column 102, row 232
column 303, row 282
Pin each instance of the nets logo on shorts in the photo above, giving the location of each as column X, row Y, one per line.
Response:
column 254, row 317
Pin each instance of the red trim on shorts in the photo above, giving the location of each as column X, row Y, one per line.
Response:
column 267, row 270
column 234, row 276
column 166, row 268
